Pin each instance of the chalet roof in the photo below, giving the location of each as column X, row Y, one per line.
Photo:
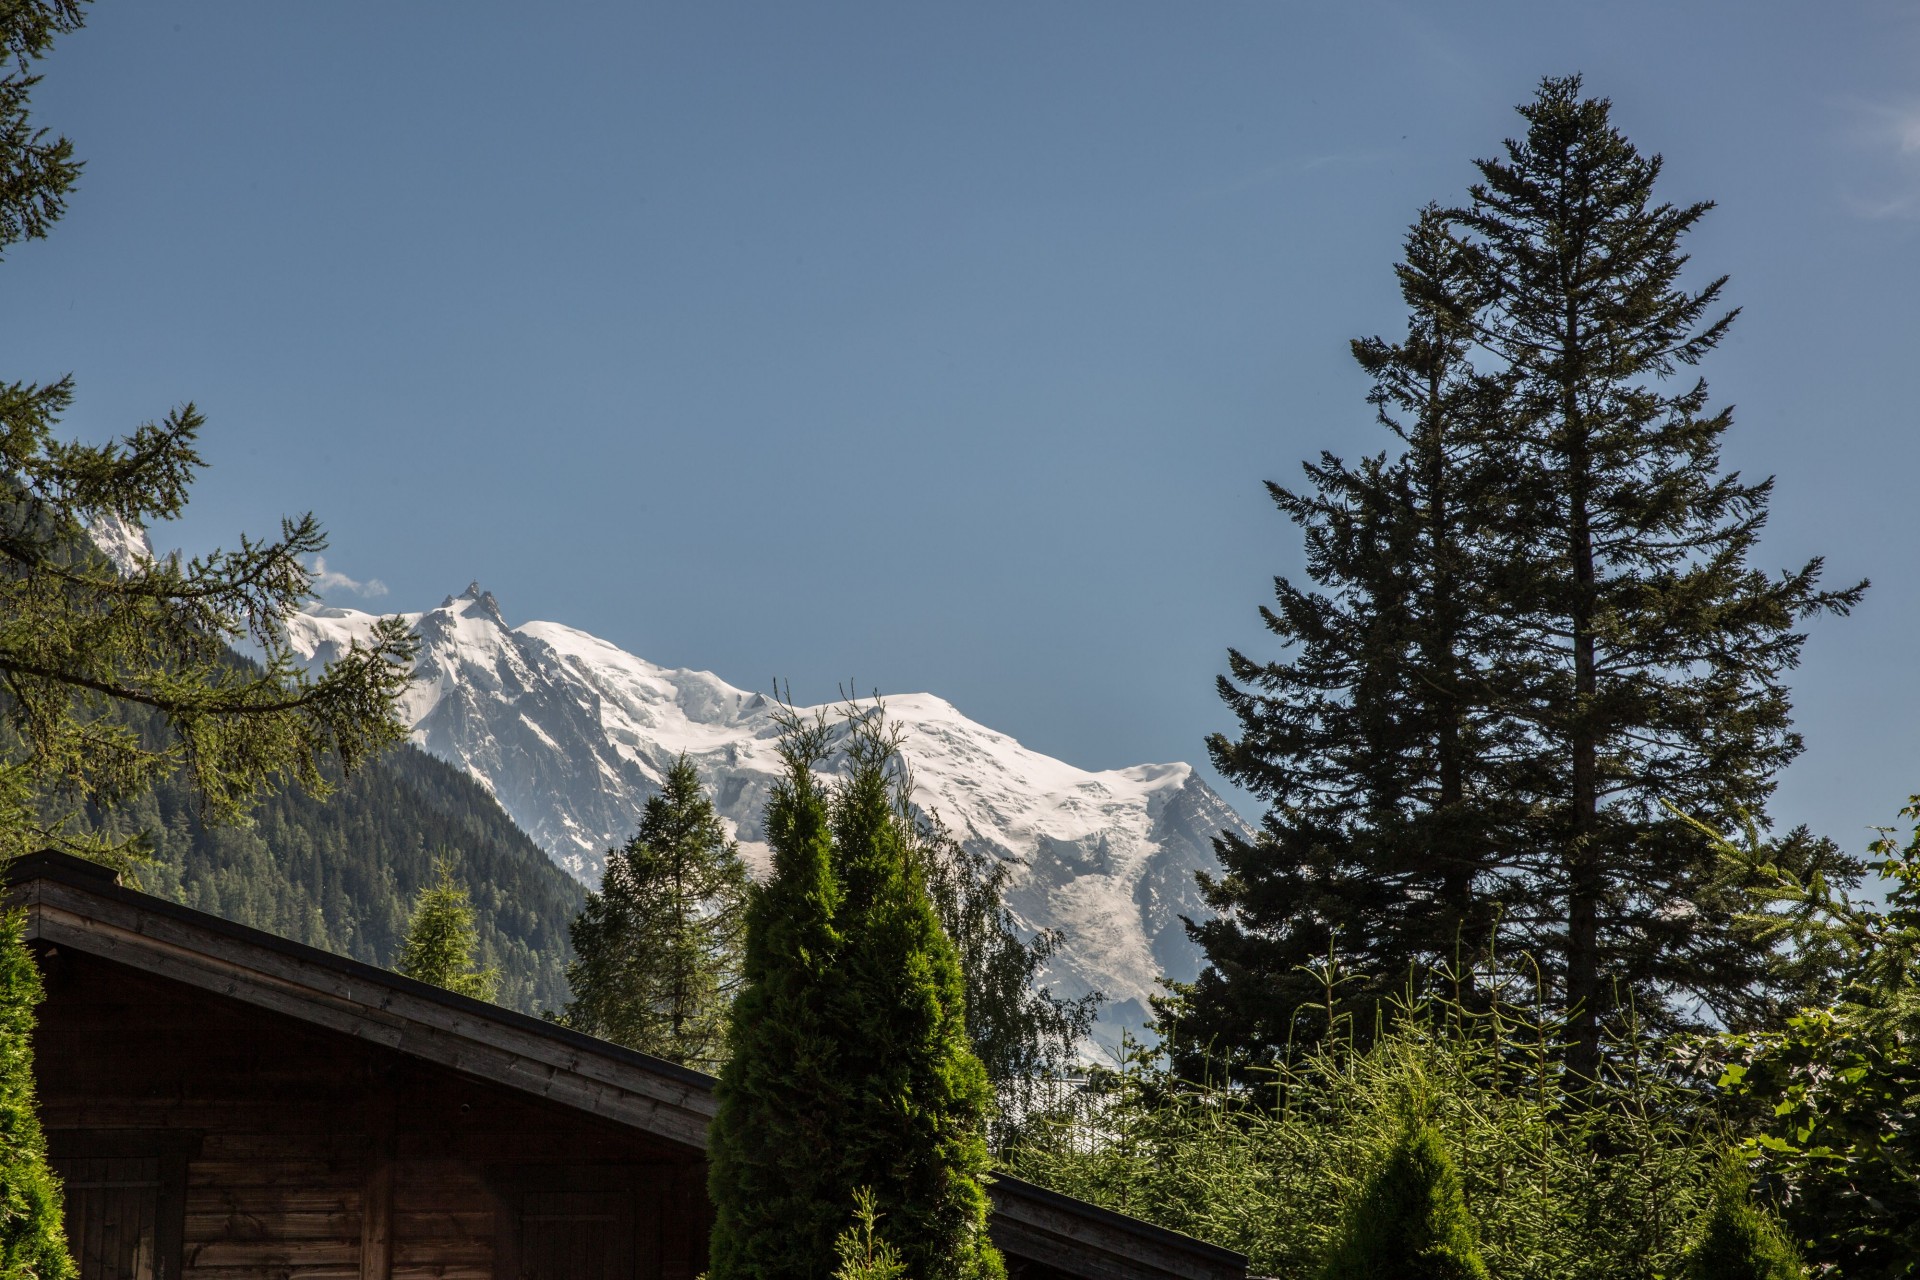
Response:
column 78, row 904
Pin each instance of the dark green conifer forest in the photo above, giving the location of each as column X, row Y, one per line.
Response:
column 342, row 872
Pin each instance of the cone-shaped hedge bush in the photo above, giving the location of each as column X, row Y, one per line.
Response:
column 1739, row 1240
column 1410, row 1221
column 851, row 1073
column 32, row 1244
column 916, row 1131
column 778, row 1207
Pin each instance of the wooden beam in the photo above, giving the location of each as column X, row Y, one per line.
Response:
column 376, row 1193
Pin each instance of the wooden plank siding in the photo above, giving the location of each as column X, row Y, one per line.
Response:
column 267, row 1111
column 326, row 1157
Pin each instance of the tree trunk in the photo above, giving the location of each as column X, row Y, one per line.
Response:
column 1584, row 878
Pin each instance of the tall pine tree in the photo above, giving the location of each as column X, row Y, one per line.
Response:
column 1540, row 625
column 1649, row 656
column 658, row 945
column 1385, row 775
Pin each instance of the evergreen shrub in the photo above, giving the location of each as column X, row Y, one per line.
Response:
column 1610, row 1188
column 850, row 1072
column 1410, row 1220
column 32, row 1244
column 1738, row 1240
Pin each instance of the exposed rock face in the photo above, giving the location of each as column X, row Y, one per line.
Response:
column 572, row 734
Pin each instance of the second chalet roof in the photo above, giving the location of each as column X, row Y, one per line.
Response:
column 79, row 904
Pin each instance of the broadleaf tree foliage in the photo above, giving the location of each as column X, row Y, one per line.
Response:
column 1532, row 627
column 657, row 946
column 1022, row 1033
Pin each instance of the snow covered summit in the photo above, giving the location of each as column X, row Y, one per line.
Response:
column 572, row 734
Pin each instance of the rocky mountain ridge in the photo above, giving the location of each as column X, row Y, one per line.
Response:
column 571, row 734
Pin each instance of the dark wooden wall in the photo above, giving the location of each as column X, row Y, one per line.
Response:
column 309, row 1154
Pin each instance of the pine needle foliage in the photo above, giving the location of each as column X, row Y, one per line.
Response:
column 864, row 1254
column 82, row 637
column 441, row 938
column 1738, row 1240
column 32, row 1243
column 658, row 945
column 1410, row 1221
column 1611, row 1190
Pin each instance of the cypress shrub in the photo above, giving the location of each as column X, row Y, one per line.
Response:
column 1739, row 1240
column 777, row 1205
column 1410, row 1221
column 916, row 1132
column 851, row 1083
column 32, row 1244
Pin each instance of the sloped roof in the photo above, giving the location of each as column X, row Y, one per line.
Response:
column 74, row 903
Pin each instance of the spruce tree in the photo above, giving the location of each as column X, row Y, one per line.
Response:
column 1738, row 1240
column 1410, row 1220
column 1649, row 655
column 778, row 1202
column 441, row 938
column 1612, row 650
column 658, row 946
column 1384, row 775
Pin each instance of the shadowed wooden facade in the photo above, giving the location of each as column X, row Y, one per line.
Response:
column 226, row 1105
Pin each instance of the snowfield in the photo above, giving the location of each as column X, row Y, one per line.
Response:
column 572, row 734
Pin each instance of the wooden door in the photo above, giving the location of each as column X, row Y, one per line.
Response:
column 576, row 1235
column 125, row 1199
column 113, row 1216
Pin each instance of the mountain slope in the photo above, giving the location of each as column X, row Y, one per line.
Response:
column 571, row 735
column 342, row 873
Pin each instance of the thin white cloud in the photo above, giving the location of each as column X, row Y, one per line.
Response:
column 1889, row 132
column 327, row 580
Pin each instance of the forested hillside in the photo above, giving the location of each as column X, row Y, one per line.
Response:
column 341, row 873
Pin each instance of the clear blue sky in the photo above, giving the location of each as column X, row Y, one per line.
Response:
column 938, row 347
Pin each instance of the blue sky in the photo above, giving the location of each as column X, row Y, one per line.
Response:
column 934, row 347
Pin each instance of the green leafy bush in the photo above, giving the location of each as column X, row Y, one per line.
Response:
column 1830, row 1103
column 1605, row 1188
column 32, row 1244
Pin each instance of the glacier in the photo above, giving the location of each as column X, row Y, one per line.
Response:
column 571, row 734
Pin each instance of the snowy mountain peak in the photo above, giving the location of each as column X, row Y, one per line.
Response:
column 572, row 734
column 123, row 541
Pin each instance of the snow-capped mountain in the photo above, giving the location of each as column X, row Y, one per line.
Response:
column 572, row 734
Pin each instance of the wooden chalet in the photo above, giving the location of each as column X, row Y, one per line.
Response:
column 224, row 1104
